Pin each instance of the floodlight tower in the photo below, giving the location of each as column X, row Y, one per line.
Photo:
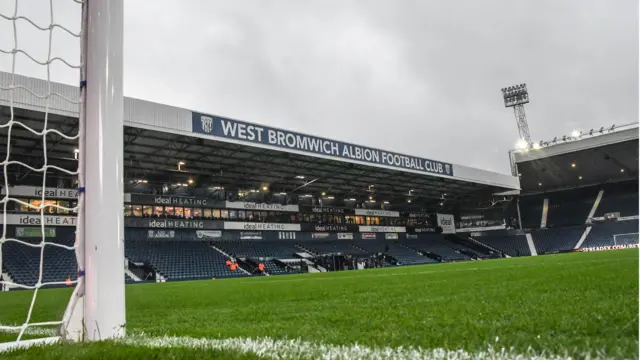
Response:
column 516, row 97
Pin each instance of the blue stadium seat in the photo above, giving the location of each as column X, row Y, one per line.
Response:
column 558, row 239
column 510, row 244
column 603, row 234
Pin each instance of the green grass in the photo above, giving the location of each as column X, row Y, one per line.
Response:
column 566, row 303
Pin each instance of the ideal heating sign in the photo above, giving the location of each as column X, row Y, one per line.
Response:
column 447, row 223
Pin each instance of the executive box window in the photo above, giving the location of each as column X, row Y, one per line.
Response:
column 158, row 211
column 373, row 220
column 169, row 210
column 207, row 213
column 127, row 210
column 197, row 212
column 137, row 210
column 178, row 211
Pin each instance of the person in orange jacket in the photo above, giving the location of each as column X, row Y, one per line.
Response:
column 261, row 267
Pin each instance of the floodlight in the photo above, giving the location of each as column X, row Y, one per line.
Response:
column 522, row 144
column 324, row 193
column 409, row 201
column 576, row 133
column 536, row 146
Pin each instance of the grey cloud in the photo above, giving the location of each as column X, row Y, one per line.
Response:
column 419, row 77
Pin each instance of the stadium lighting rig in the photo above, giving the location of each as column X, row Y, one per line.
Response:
column 516, row 97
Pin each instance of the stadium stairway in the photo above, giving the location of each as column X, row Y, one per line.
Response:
column 131, row 275
column 532, row 247
column 229, row 257
column 583, row 237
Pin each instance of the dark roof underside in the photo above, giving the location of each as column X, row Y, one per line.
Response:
column 154, row 155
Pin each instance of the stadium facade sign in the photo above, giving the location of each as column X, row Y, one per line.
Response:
column 447, row 223
column 329, row 228
column 35, row 219
column 161, row 234
column 172, row 223
column 345, row 236
column 610, row 247
column 253, row 226
column 260, row 206
column 258, row 134
column 373, row 212
column 326, row 210
column 418, row 230
column 208, row 234
column 419, row 215
column 383, row 229
column 169, row 200
column 36, row 192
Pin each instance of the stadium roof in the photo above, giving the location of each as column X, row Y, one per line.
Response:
column 602, row 155
column 222, row 152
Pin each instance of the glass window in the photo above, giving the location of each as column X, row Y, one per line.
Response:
column 215, row 213
column 147, row 210
column 188, row 212
column 22, row 207
column 207, row 213
column 158, row 211
column 127, row 210
column 169, row 211
column 197, row 212
column 137, row 210
column 224, row 214
column 65, row 204
column 232, row 214
column 178, row 211
column 48, row 208
column 242, row 214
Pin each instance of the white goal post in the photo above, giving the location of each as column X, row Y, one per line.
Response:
column 96, row 310
column 625, row 239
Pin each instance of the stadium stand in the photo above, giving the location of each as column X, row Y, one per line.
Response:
column 603, row 234
column 323, row 247
column 22, row 262
column 570, row 207
column 531, row 210
column 619, row 197
column 403, row 254
column 259, row 249
column 507, row 242
column 176, row 259
column 436, row 244
column 556, row 239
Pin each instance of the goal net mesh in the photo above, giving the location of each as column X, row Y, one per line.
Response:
column 41, row 39
column 625, row 239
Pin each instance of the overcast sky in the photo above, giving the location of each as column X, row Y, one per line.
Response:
column 413, row 76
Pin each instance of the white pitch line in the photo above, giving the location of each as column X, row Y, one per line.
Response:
column 300, row 349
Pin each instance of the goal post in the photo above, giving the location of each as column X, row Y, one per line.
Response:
column 625, row 239
column 100, row 289
column 96, row 309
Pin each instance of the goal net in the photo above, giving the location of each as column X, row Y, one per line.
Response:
column 61, row 161
column 625, row 239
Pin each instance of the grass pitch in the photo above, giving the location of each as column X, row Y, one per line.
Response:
column 567, row 304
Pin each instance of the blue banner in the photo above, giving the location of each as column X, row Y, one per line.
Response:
column 253, row 133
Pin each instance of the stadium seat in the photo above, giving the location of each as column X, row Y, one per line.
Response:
column 557, row 239
column 570, row 207
column 603, row 234
column 180, row 259
column 510, row 244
